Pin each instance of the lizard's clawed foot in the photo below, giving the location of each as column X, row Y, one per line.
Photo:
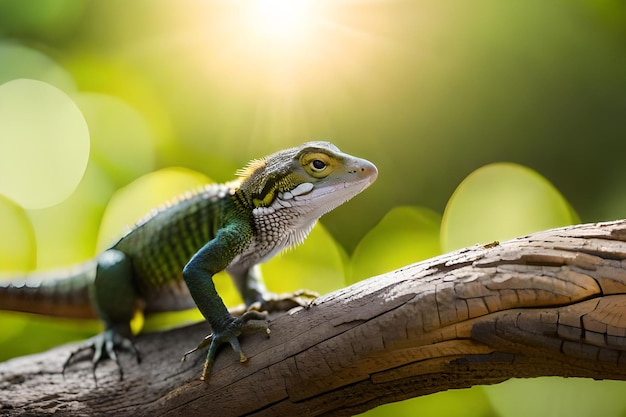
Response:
column 253, row 320
column 249, row 322
column 104, row 346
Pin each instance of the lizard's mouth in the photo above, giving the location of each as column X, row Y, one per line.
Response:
column 322, row 200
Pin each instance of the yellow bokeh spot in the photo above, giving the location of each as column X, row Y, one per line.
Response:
column 501, row 201
column 404, row 236
column 17, row 240
column 44, row 145
column 572, row 397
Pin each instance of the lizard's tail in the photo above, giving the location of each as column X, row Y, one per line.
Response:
column 64, row 294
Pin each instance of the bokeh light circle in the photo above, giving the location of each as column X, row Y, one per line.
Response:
column 44, row 143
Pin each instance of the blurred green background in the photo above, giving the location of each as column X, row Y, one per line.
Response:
column 110, row 107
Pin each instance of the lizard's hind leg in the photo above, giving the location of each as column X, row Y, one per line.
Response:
column 115, row 299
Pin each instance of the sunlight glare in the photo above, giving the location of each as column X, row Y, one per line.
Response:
column 282, row 20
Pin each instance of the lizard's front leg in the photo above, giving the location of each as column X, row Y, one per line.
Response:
column 213, row 257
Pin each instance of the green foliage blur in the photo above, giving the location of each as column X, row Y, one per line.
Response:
column 437, row 93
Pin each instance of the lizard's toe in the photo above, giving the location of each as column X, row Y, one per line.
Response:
column 250, row 322
column 104, row 345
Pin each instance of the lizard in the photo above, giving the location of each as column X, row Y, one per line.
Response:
column 166, row 262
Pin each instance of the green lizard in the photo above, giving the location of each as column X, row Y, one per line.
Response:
column 234, row 227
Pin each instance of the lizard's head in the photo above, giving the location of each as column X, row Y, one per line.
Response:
column 313, row 178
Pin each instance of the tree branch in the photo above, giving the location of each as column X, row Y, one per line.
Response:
column 552, row 303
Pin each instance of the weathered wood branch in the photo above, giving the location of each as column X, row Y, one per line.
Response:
column 552, row 303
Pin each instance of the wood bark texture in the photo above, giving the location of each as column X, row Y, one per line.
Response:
column 552, row 303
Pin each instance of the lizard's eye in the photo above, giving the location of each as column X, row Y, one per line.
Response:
column 317, row 164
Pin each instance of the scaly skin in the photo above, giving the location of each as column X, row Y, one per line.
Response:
column 233, row 227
